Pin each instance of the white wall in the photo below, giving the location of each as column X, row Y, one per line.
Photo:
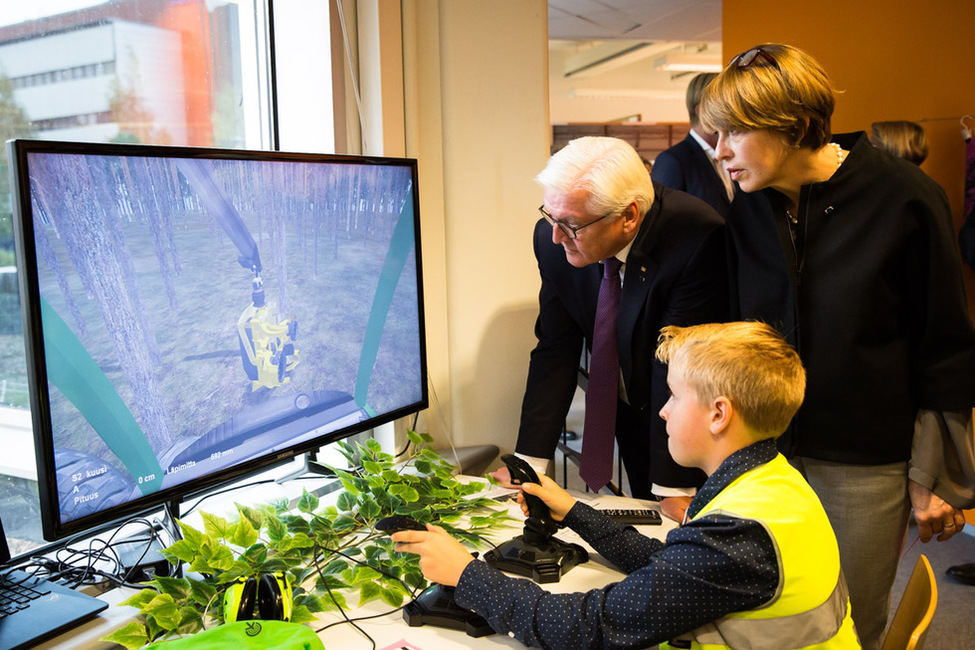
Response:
column 476, row 112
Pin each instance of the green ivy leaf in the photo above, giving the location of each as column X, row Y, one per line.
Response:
column 404, row 492
column 368, row 591
column 298, row 540
column 215, row 526
column 164, row 610
column 312, row 601
column 347, row 482
column 369, row 510
column 338, row 598
column 191, row 621
column 343, row 523
column 202, row 593
column 372, row 467
column 414, row 437
column 140, row 599
column 256, row 554
column 335, row 566
column 253, row 515
column 131, row 635
column 346, row 502
column 308, row 502
column 191, row 535
column 178, row 588
column 244, row 534
column 301, row 614
column 392, row 597
column 219, row 560
column 365, row 574
column 414, row 579
column 276, row 529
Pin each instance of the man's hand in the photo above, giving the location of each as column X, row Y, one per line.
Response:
column 675, row 507
column 503, row 477
column 558, row 500
column 442, row 558
column 933, row 515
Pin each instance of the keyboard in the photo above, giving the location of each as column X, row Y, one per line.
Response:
column 35, row 609
column 15, row 596
column 633, row 516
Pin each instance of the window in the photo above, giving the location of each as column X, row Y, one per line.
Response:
column 193, row 72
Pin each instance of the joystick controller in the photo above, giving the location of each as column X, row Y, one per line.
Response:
column 435, row 605
column 522, row 472
column 536, row 553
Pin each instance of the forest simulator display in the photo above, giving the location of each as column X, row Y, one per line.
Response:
column 162, row 291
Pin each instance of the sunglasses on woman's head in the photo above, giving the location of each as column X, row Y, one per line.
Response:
column 747, row 58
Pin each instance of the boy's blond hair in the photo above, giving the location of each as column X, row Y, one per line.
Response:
column 747, row 362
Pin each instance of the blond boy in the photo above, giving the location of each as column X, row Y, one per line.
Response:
column 755, row 563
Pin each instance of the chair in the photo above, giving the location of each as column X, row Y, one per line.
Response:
column 913, row 616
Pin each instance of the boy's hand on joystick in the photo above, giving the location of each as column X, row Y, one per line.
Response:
column 557, row 500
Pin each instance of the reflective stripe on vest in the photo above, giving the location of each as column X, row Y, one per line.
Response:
column 804, row 629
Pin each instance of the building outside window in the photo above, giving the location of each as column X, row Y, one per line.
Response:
column 179, row 72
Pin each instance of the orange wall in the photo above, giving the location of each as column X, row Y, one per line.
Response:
column 892, row 60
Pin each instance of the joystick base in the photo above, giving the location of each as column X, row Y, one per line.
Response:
column 435, row 606
column 542, row 561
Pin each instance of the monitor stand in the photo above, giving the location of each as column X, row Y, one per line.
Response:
column 435, row 606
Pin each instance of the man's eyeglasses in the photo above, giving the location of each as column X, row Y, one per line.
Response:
column 572, row 232
column 745, row 59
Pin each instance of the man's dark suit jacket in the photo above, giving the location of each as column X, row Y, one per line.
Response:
column 675, row 274
column 686, row 167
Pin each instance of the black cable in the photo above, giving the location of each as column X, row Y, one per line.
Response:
column 416, row 418
column 353, row 621
column 335, row 600
column 224, row 491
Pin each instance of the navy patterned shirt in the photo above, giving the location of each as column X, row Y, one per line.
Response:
column 709, row 567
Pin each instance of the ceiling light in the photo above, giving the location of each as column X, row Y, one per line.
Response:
column 689, row 63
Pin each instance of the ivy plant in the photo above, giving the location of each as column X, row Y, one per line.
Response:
column 331, row 552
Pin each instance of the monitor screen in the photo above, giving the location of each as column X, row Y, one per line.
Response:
column 193, row 315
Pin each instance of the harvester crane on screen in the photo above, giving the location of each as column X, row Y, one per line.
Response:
column 267, row 348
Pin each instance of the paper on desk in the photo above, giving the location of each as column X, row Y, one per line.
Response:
column 402, row 644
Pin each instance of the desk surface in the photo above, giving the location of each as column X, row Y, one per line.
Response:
column 391, row 632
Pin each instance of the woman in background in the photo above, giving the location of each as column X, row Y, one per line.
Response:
column 851, row 254
column 901, row 138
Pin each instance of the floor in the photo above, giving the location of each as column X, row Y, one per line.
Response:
column 953, row 626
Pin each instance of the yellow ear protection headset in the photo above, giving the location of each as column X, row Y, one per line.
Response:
column 271, row 593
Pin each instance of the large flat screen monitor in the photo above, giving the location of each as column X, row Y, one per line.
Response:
column 193, row 315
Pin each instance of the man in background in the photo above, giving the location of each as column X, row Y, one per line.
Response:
column 690, row 165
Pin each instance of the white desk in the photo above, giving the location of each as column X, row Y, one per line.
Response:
column 391, row 631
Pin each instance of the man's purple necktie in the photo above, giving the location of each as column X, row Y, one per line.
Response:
column 599, row 432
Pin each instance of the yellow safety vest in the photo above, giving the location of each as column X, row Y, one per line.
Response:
column 810, row 608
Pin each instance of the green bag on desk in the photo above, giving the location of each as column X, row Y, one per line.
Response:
column 249, row 634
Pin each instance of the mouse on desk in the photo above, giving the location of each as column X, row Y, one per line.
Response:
column 435, row 605
column 396, row 523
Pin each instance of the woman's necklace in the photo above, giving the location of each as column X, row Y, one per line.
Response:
column 840, row 157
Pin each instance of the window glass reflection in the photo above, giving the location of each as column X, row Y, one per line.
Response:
column 146, row 71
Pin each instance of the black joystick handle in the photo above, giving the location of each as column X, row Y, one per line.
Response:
column 396, row 523
column 522, row 472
